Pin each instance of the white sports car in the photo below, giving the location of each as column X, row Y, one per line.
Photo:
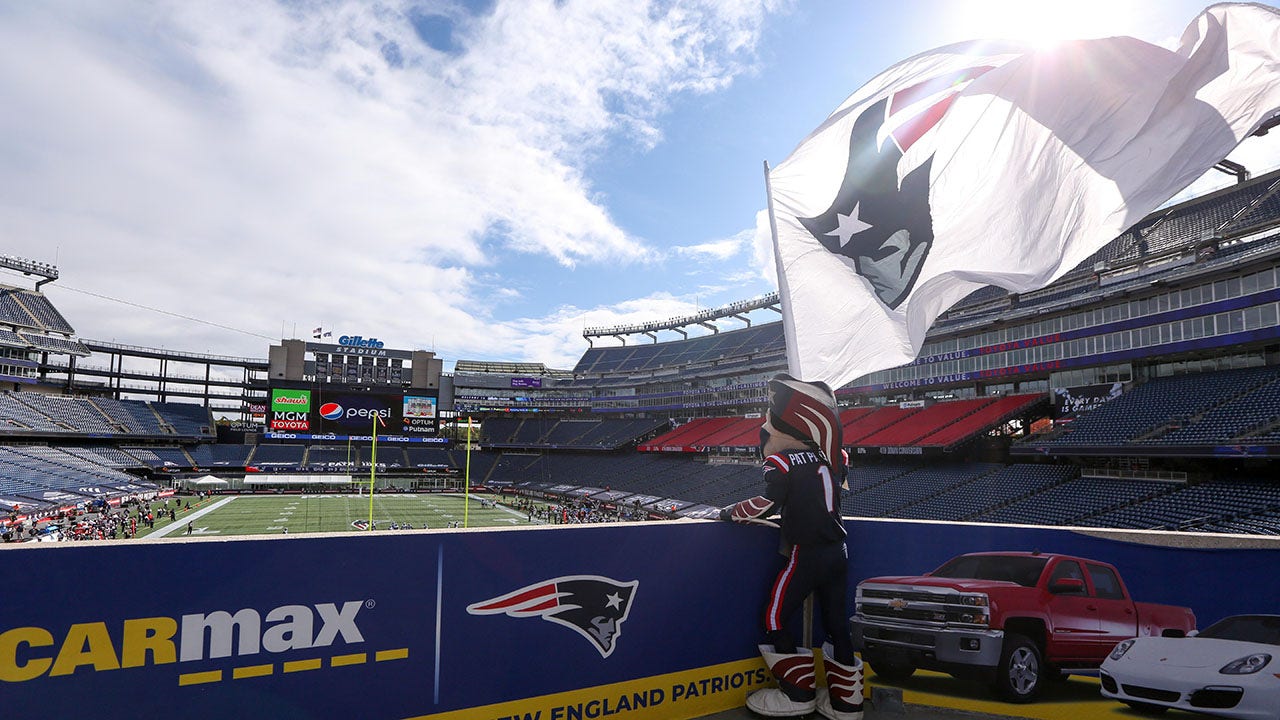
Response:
column 1230, row 669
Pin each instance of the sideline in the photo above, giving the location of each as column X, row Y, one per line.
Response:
column 176, row 524
column 523, row 516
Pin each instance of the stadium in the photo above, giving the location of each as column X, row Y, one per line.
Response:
column 1064, row 503
column 1140, row 392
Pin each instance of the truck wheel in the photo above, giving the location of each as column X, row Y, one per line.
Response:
column 1021, row 670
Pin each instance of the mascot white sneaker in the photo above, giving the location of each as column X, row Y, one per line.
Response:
column 795, row 694
column 842, row 698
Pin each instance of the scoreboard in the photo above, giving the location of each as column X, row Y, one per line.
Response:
column 321, row 413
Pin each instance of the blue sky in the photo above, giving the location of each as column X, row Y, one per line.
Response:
column 477, row 178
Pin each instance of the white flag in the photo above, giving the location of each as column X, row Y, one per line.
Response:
column 991, row 164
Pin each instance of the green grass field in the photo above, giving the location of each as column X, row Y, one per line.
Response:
column 259, row 515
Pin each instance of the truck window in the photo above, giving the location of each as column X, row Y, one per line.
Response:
column 1105, row 583
column 1019, row 569
column 1068, row 570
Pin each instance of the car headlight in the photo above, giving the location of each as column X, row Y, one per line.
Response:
column 973, row 600
column 1246, row 665
column 1121, row 649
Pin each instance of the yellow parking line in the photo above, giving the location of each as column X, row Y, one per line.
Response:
column 300, row 665
column 251, row 671
column 200, row 678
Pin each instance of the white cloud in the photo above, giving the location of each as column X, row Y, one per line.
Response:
column 263, row 166
column 716, row 249
column 762, row 249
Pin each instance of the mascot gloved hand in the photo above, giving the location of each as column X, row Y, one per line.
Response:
column 750, row 512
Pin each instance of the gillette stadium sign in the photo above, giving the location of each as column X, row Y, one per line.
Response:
column 360, row 342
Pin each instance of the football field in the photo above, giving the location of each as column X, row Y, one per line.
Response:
column 278, row 514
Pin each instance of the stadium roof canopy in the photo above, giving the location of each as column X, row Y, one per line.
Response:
column 735, row 310
column 507, row 368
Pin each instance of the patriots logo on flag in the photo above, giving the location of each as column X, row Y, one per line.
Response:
column 591, row 605
column 880, row 217
column 992, row 163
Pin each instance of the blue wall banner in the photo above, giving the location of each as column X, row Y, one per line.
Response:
column 643, row 620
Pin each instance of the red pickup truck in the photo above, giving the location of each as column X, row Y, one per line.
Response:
column 1015, row 618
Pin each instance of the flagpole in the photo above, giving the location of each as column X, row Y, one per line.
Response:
column 466, row 495
column 373, row 468
column 788, row 324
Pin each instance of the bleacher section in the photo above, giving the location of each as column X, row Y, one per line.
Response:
column 268, row 457
column 1022, row 493
column 39, row 479
column 570, row 434
column 29, row 414
column 1218, row 408
column 940, row 425
column 753, row 342
column 909, row 488
column 1190, row 507
column 1006, row 485
column 218, row 456
column 428, row 458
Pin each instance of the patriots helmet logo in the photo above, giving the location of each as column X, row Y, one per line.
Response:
column 880, row 218
column 591, row 605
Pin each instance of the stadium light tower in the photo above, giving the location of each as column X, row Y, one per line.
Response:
column 30, row 267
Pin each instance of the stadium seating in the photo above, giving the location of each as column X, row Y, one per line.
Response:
column 981, row 419
column 970, row 499
column 1146, row 412
column 566, row 433
column 135, row 417
column 869, row 424
column 390, row 457
column 216, row 456
column 185, row 418
column 42, row 479
column 77, row 414
column 46, row 316
column 277, row 457
column 1187, row 507
column 915, row 426
column 1077, row 498
column 428, row 458
column 29, row 413
column 1234, row 418
column 760, row 339
column 914, row 486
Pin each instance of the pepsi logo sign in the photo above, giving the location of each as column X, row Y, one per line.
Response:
column 331, row 411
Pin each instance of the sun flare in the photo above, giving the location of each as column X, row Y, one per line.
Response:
column 1044, row 24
